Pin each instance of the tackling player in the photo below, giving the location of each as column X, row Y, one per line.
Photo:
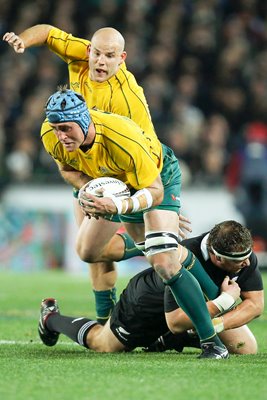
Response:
column 138, row 318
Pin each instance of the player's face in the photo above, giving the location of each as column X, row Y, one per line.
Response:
column 105, row 58
column 69, row 134
column 233, row 266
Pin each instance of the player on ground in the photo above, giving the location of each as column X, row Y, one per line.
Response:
column 98, row 71
column 226, row 251
column 138, row 318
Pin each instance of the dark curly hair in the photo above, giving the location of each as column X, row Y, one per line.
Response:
column 230, row 236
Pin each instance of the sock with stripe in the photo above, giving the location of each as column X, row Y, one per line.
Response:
column 75, row 328
column 130, row 249
column 105, row 301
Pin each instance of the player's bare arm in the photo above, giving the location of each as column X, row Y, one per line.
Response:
column 34, row 36
column 148, row 197
column 73, row 177
column 178, row 321
column 251, row 307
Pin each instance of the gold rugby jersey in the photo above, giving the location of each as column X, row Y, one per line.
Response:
column 120, row 150
column 120, row 94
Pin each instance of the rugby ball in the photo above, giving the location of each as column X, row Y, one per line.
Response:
column 110, row 185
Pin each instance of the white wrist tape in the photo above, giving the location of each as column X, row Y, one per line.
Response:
column 118, row 202
column 218, row 324
column 224, row 301
column 142, row 200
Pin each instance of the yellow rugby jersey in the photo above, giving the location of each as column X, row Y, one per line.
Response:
column 119, row 95
column 119, row 150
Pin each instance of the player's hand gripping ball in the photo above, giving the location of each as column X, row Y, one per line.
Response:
column 104, row 187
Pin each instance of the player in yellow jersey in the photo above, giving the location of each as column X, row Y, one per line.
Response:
column 100, row 144
column 98, row 71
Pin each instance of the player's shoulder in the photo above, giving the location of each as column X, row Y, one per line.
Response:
column 125, row 76
column 193, row 242
column 253, row 260
column 110, row 118
column 58, row 34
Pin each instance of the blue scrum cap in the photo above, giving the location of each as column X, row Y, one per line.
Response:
column 68, row 106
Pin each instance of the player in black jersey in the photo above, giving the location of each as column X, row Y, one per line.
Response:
column 146, row 309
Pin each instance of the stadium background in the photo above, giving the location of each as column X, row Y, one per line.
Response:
column 203, row 66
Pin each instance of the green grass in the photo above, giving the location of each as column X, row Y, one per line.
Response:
column 29, row 370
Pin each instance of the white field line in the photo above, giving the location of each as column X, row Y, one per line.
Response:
column 23, row 342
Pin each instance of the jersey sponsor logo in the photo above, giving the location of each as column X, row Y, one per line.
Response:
column 175, row 198
column 76, row 319
column 73, row 162
column 103, row 170
column 122, row 333
column 75, row 85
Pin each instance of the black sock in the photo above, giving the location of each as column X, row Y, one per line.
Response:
column 180, row 340
column 75, row 328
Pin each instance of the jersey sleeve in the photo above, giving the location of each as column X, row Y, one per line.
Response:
column 143, row 171
column 67, row 46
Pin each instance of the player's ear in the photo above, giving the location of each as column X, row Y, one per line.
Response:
column 123, row 57
column 88, row 48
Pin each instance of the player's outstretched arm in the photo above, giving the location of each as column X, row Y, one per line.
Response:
column 34, row 36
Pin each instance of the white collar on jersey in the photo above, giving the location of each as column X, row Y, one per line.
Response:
column 203, row 247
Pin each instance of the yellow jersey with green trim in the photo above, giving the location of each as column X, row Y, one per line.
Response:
column 119, row 95
column 120, row 150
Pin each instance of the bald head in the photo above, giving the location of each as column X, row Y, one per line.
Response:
column 110, row 36
column 106, row 54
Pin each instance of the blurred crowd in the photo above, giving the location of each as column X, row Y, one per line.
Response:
column 202, row 63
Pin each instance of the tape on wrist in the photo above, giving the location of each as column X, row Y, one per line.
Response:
column 224, row 301
column 218, row 324
column 142, row 200
column 120, row 204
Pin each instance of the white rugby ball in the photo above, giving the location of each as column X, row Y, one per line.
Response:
column 111, row 185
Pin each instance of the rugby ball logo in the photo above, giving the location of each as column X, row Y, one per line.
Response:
column 110, row 185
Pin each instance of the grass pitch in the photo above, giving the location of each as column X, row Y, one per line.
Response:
column 29, row 370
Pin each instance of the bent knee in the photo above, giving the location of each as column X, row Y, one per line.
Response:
column 240, row 341
column 242, row 348
column 165, row 264
column 86, row 254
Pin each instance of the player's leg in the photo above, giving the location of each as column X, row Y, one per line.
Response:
column 103, row 274
column 240, row 340
column 102, row 339
column 103, row 278
column 84, row 331
column 165, row 254
column 93, row 238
